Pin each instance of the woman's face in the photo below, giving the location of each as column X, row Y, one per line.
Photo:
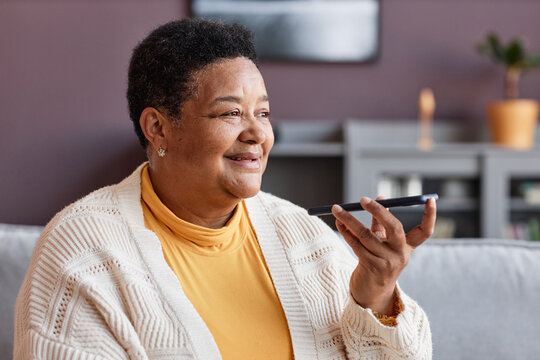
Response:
column 220, row 146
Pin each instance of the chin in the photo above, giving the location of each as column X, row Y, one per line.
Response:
column 244, row 191
column 244, row 187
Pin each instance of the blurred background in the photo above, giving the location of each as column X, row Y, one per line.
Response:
column 65, row 130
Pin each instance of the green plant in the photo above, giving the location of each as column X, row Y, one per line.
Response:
column 513, row 56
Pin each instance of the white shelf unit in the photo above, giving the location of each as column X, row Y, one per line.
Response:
column 501, row 167
column 317, row 163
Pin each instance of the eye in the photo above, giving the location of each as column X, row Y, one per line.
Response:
column 231, row 113
column 264, row 114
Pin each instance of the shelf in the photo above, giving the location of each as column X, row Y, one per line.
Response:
column 330, row 149
column 518, row 204
column 445, row 205
column 321, row 162
column 457, row 205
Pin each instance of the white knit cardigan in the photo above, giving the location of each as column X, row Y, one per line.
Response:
column 98, row 287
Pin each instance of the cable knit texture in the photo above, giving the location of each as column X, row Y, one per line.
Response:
column 98, row 287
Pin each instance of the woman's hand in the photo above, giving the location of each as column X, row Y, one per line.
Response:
column 383, row 251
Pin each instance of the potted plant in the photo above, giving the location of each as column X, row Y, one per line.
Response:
column 512, row 121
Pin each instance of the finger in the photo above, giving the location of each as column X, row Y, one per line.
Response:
column 365, row 256
column 350, row 239
column 395, row 236
column 376, row 227
column 361, row 233
column 420, row 233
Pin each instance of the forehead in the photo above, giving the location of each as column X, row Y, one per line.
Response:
column 231, row 77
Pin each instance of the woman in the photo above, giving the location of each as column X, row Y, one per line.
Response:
column 186, row 258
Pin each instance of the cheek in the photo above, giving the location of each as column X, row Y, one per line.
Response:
column 202, row 145
column 269, row 140
column 267, row 146
column 220, row 139
column 210, row 149
column 270, row 137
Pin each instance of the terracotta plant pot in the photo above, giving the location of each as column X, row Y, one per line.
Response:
column 512, row 123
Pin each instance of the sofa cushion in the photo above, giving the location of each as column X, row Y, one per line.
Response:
column 482, row 297
column 16, row 246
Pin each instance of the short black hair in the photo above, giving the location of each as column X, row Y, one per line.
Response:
column 162, row 65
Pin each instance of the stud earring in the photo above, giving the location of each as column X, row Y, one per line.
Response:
column 161, row 152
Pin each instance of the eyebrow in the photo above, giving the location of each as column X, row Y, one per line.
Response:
column 235, row 99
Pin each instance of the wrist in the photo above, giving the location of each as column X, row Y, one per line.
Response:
column 382, row 303
column 397, row 308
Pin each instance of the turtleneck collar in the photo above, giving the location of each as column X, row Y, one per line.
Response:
column 196, row 238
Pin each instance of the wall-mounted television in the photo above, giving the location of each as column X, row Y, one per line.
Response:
column 303, row 30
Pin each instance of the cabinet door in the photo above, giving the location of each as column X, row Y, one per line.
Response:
column 434, row 169
column 505, row 210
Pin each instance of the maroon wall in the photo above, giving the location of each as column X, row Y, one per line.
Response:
column 64, row 128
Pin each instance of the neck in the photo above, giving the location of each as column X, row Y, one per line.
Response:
column 192, row 206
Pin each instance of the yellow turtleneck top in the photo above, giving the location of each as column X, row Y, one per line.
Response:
column 224, row 275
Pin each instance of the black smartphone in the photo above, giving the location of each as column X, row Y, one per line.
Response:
column 388, row 203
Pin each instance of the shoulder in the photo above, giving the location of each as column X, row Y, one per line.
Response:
column 286, row 214
column 100, row 210
column 90, row 226
column 82, row 219
column 101, row 202
column 285, row 211
column 100, row 221
column 300, row 231
column 82, row 243
column 280, row 210
column 271, row 201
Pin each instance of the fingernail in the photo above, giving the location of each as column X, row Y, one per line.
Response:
column 366, row 199
column 337, row 208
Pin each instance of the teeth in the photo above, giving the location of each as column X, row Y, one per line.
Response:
column 240, row 159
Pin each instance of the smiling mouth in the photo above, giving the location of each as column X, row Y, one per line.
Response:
column 241, row 158
column 248, row 161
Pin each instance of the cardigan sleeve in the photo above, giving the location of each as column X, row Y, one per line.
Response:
column 366, row 338
column 390, row 320
column 323, row 264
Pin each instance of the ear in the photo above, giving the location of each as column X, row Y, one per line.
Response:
column 152, row 124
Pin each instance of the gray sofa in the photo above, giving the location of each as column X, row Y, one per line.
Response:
column 16, row 246
column 482, row 296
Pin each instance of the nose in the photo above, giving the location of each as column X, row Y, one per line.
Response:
column 254, row 131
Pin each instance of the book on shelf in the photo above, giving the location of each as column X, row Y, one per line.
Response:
column 525, row 230
column 530, row 192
